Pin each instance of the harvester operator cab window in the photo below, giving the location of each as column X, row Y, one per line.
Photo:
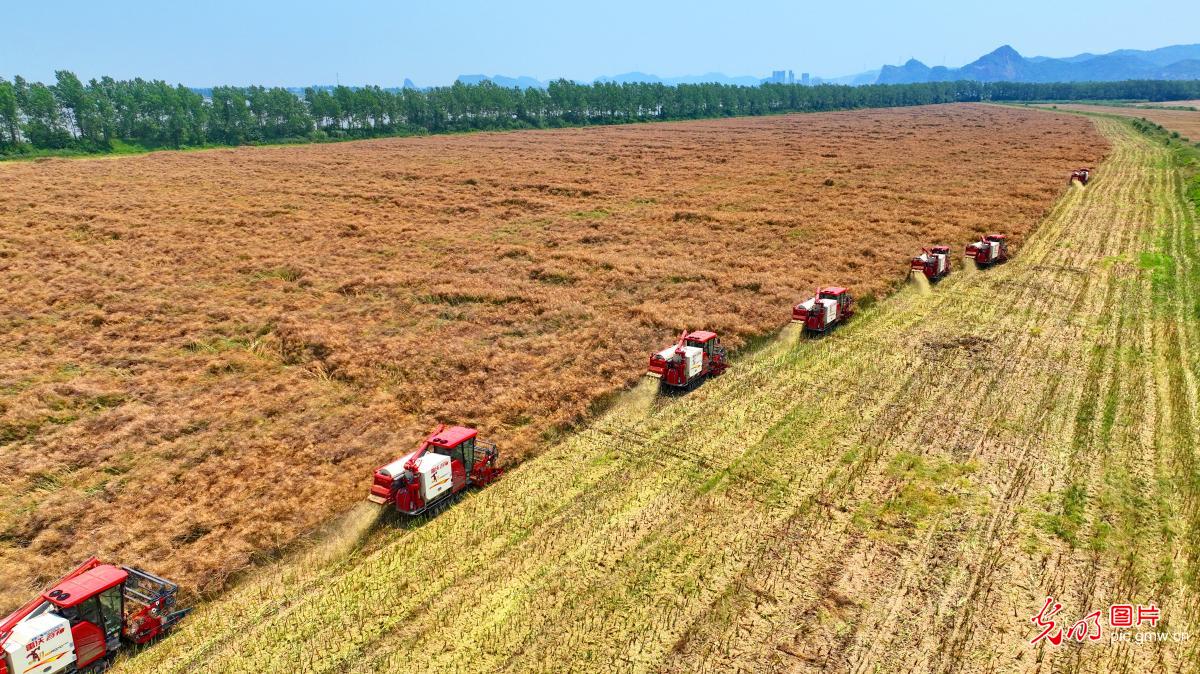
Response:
column 460, row 452
column 111, row 608
column 85, row 611
column 707, row 347
column 466, row 454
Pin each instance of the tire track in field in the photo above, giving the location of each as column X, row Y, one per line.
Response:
column 1178, row 386
column 1141, row 509
column 1074, row 465
column 1085, row 568
column 885, row 434
column 1080, row 229
column 945, row 388
column 1096, row 581
column 1016, row 485
column 1074, row 578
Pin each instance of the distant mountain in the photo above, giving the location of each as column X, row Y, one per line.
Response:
column 1178, row 62
column 525, row 82
column 519, row 82
column 1165, row 56
column 629, row 78
column 718, row 78
column 912, row 71
column 1183, row 70
column 855, row 80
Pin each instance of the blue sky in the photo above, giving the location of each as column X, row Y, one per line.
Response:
column 300, row 42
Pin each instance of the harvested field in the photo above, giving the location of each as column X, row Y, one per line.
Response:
column 203, row 354
column 901, row 496
column 1186, row 122
column 1173, row 104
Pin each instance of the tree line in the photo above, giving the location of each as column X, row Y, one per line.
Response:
column 101, row 115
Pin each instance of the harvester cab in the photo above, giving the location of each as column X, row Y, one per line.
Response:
column 991, row 249
column 829, row 307
column 933, row 262
column 447, row 462
column 696, row 355
column 1082, row 175
column 86, row 618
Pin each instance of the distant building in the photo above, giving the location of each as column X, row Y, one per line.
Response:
column 791, row 77
column 804, row 79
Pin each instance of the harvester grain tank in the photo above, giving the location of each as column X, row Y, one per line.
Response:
column 1082, row 175
column 694, row 357
column 829, row 307
column 989, row 250
column 934, row 262
column 85, row 619
column 447, row 462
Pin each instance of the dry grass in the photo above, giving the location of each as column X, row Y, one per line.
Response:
column 204, row 354
column 1186, row 122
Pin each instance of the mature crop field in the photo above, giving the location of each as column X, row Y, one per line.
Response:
column 1186, row 122
column 203, row 355
column 901, row 496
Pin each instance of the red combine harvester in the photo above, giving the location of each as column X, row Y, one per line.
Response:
column 695, row 356
column 829, row 307
column 991, row 249
column 446, row 463
column 1082, row 175
column 83, row 621
column 934, row 262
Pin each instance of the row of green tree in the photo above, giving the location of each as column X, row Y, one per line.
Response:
column 70, row 115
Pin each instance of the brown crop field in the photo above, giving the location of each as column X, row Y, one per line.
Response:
column 1186, row 122
column 203, row 354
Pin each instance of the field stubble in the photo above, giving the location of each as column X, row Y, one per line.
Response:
column 1186, row 122
column 203, row 355
column 900, row 496
column 1172, row 104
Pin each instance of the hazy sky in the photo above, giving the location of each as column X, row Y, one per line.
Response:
column 298, row 42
